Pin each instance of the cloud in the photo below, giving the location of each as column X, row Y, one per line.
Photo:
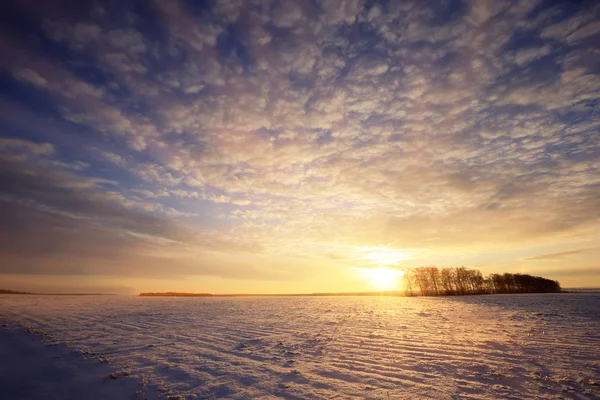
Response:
column 55, row 222
column 26, row 146
column 31, row 77
column 286, row 14
column 332, row 122
column 592, row 272
column 114, row 158
column 65, row 195
column 559, row 256
column 220, row 199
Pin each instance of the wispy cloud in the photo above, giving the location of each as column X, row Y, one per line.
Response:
column 559, row 256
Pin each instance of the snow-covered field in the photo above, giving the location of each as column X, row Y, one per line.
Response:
column 480, row 347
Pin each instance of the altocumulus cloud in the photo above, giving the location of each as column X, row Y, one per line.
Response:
column 266, row 127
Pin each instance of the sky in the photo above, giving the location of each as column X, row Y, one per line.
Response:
column 286, row 146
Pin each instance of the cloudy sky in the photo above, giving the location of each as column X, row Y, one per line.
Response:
column 281, row 146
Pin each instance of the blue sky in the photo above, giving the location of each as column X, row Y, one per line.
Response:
column 278, row 145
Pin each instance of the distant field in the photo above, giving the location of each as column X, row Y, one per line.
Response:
column 473, row 347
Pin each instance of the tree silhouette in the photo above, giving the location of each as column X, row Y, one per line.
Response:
column 431, row 281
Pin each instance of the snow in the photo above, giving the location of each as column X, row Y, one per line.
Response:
column 479, row 347
column 43, row 370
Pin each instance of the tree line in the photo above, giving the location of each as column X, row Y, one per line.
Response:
column 6, row 291
column 433, row 281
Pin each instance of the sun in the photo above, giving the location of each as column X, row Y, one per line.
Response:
column 382, row 278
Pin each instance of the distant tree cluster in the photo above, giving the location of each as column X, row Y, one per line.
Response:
column 6, row 291
column 174, row 294
column 432, row 281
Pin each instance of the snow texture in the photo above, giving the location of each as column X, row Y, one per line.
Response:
column 471, row 347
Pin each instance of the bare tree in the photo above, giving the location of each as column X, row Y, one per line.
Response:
column 447, row 281
column 432, row 281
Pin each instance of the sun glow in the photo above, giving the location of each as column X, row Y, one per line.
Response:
column 381, row 255
column 382, row 278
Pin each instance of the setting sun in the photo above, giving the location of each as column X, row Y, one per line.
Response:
column 382, row 278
